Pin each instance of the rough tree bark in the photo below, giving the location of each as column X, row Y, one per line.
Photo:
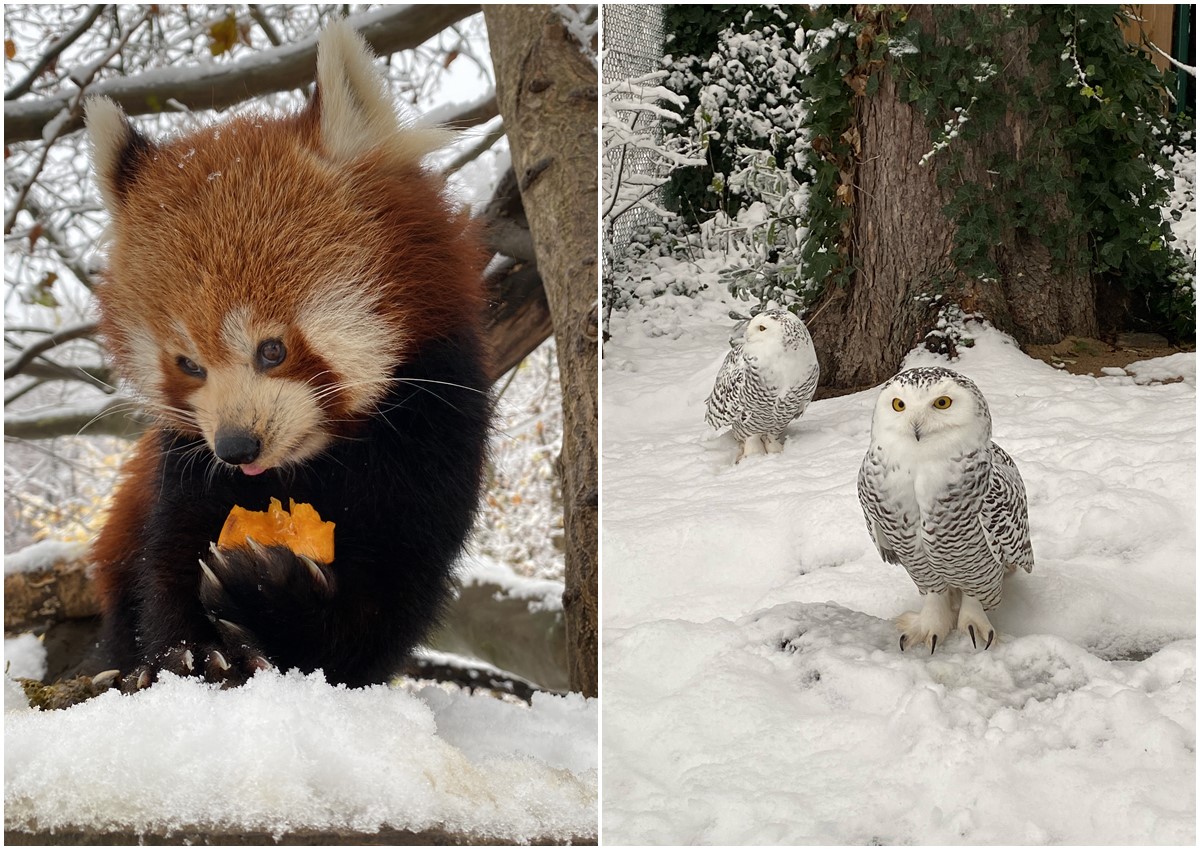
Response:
column 901, row 241
column 547, row 91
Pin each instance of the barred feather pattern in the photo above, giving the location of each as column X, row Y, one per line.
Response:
column 957, row 519
column 753, row 394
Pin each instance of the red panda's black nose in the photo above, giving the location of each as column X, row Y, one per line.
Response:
column 237, row 447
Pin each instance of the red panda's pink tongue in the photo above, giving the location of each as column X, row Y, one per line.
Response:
column 253, row 469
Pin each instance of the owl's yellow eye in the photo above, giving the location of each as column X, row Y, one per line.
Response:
column 897, row 404
column 942, row 402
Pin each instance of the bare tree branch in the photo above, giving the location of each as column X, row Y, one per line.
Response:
column 116, row 417
column 71, row 111
column 387, row 29
column 55, row 51
column 18, row 363
column 265, row 25
column 475, row 151
column 59, row 241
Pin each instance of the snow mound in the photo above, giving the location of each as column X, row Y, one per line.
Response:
column 24, row 657
column 754, row 689
column 1173, row 367
column 840, row 738
column 43, row 555
column 288, row 751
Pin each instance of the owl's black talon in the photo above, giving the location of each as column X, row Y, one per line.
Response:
column 902, row 637
column 991, row 636
column 256, row 547
column 933, row 646
column 216, row 659
column 143, row 680
column 971, row 632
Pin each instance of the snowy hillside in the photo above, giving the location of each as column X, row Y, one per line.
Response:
column 754, row 688
column 289, row 752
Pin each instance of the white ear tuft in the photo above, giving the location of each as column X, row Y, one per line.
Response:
column 111, row 141
column 358, row 113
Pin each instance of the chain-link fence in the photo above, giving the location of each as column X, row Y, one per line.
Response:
column 633, row 45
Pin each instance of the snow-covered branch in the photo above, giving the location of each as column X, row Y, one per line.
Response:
column 387, row 29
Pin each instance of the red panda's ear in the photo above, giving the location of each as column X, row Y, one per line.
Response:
column 356, row 110
column 118, row 150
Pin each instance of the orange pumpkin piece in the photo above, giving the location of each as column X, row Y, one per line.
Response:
column 299, row 528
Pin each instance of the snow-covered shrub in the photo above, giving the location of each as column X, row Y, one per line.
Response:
column 749, row 120
column 639, row 158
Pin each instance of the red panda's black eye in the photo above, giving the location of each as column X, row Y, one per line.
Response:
column 271, row 353
column 189, row 367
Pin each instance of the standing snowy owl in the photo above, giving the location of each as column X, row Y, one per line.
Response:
column 943, row 501
column 766, row 381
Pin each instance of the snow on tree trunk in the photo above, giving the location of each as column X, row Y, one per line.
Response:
column 547, row 92
column 901, row 242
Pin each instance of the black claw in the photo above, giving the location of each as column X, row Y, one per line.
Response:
column 991, row 636
column 971, row 632
column 933, row 646
column 902, row 637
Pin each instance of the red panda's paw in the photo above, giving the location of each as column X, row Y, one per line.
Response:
column 261, row 596
column 215, row 663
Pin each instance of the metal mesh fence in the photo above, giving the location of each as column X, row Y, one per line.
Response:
column 633, row 45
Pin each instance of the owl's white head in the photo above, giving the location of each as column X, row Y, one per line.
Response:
column 935, row 411
column 773, row 330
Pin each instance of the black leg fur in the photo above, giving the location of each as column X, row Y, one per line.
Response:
column 403, row 494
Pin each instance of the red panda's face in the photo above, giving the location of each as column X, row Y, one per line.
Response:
column 267, row 276
column 265, row 392
column 246, row 299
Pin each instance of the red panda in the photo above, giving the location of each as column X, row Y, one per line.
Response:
column 299, row 305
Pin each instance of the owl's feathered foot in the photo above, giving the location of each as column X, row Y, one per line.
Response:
column 973, row 621
column 930, row 626
column 773, row 444
column 752, row 445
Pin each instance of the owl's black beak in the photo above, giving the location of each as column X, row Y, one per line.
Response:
column 917, row 431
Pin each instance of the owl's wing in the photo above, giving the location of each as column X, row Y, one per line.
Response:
column 874, row 507
column 799, row 396
column 1005, row 514
column 723, row 401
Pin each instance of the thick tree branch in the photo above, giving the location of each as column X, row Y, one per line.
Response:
column 547, row 90
column 115, row 417
column 387, row 29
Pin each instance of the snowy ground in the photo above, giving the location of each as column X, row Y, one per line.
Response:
column 288, row 752
column 754, row 691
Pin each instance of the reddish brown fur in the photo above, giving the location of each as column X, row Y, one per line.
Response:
column 188, row 247
column 188, row 244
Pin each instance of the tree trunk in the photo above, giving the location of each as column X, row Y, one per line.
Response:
column 547, row 92
column 901, row 244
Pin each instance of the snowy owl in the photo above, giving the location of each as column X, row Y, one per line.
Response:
column 765, row 382
column 943, row 501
